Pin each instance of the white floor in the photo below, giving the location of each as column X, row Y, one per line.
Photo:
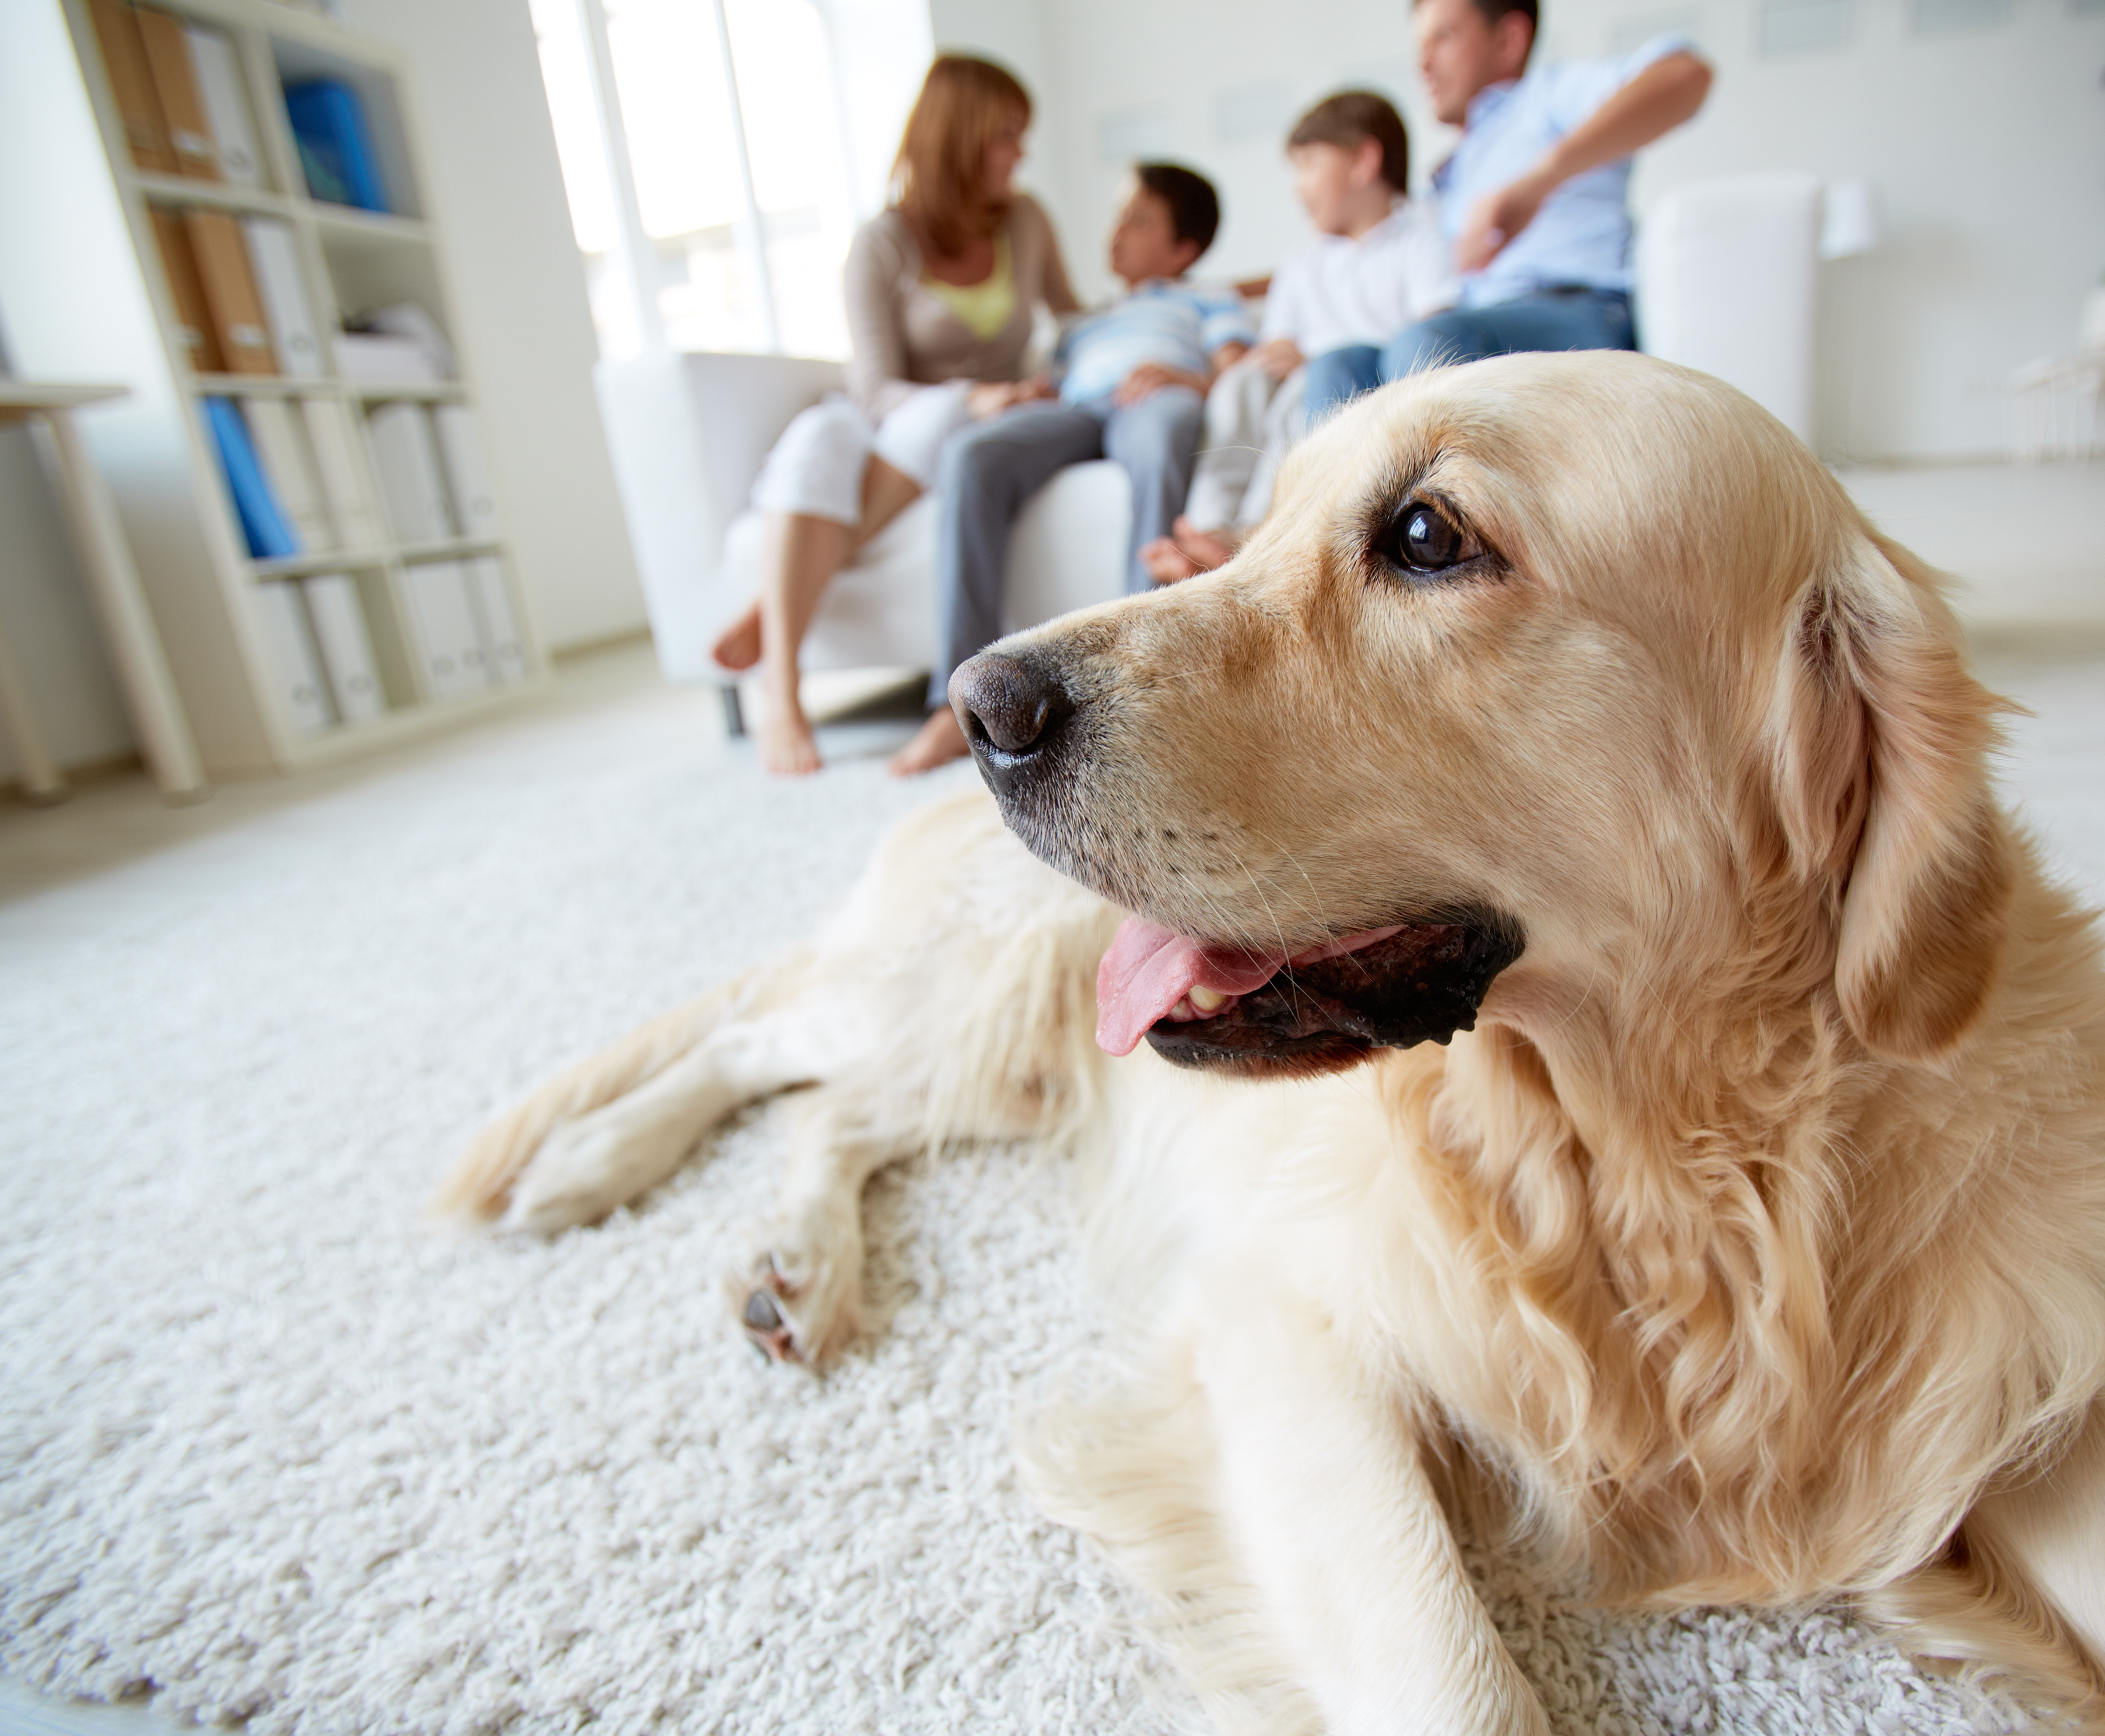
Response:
column 104, row 877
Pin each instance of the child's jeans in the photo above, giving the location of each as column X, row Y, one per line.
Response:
column 1574, row 319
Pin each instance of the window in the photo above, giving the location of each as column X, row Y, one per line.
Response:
column 718, row 154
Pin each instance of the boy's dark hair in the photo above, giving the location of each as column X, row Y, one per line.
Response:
column 1195, row 209
column 1494, row 10
column 1351, row 117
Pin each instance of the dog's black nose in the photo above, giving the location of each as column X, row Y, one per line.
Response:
column 1009, row 704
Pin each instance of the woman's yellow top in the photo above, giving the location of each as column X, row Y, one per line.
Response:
column 985, row 306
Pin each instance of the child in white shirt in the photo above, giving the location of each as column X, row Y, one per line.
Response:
column 1378, row 262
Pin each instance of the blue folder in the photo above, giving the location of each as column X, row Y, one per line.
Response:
column 336, row 145
column 263, row 521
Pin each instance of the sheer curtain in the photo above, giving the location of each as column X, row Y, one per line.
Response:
column 718, row 154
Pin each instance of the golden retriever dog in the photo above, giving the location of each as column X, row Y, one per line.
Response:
column 1564, row 1040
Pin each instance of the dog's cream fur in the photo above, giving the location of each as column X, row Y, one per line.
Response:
column 1750, row 1250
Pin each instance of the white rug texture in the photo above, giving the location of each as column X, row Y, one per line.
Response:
column 270, row 1452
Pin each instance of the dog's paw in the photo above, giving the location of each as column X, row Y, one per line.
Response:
column 795, row 1309
column 583, row 1170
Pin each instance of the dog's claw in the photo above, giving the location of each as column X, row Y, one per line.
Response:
column 770, row 1330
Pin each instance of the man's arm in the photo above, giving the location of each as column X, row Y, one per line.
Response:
column 1666, row 93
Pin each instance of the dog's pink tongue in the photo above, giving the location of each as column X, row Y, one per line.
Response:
column 1148, row 970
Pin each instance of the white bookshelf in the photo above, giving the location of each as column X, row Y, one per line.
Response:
column 84, row 295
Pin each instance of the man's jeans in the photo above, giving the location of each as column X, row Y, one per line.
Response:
column 1549, row 319
column 988, row 470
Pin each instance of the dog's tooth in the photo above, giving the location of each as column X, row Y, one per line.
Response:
column 1183, row 1010
column 1207, row 1000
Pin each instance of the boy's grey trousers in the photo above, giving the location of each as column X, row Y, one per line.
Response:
column 987, row 471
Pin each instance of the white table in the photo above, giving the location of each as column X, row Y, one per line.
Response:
column 113, row 583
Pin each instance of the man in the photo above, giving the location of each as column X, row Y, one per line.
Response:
column 1533, row 196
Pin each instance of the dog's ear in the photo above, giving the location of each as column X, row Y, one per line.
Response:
column 1882, row 740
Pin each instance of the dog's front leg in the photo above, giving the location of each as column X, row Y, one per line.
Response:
column 584, row 1168
column 798, row 1295
column 1327, row 1500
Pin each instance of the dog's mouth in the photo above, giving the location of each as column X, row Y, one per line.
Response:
column 1326, row 1006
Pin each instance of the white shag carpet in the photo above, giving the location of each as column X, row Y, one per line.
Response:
column 271, row 1453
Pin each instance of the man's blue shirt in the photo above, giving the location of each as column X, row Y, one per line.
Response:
column 1581, row 235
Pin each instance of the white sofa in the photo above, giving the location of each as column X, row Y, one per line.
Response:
column 687, row 433
column 1726, row 282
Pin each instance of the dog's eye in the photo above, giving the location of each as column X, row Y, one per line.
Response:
column 1422, row 541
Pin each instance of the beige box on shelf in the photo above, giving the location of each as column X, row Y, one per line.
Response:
column 238, row 321
column 186, row 289
column 131, row 85
column 174, row 82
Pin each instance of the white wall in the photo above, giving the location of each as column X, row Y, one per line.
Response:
column 497, row 191
column 1985, row 141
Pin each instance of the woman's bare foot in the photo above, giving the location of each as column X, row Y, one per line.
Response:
column 1164, row 562
column 786, row 747
column 738, row 645
column 939, row 742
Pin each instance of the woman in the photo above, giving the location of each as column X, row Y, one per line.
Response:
column 941, row 288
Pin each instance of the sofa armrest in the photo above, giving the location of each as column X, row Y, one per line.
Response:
column 687, row 433
column 1727, row 282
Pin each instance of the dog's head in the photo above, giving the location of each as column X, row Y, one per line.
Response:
column 1544, row 673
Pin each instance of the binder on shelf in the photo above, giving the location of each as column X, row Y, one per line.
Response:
column 226, row 99
column 194, row 326
column 358, row 525
column 467, row 478
column 174, row 82
column 411, row 485
column 507, row 651
column 276, row 432
column 346, row 649
column 336, row 145
column 288, row 639
column 131, row 85
column 231, row 292
column 274, row 257
column 454, row 661
column 270, row 537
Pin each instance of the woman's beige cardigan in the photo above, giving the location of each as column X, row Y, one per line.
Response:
column 905, row 336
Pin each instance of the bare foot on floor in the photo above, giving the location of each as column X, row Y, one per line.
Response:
column 786, row 747
column 939, row 742
column 738, row 647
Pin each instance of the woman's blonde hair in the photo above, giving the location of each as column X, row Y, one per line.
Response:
column 939, row 176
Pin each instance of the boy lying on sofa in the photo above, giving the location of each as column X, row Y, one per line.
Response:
column 1133, row 380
